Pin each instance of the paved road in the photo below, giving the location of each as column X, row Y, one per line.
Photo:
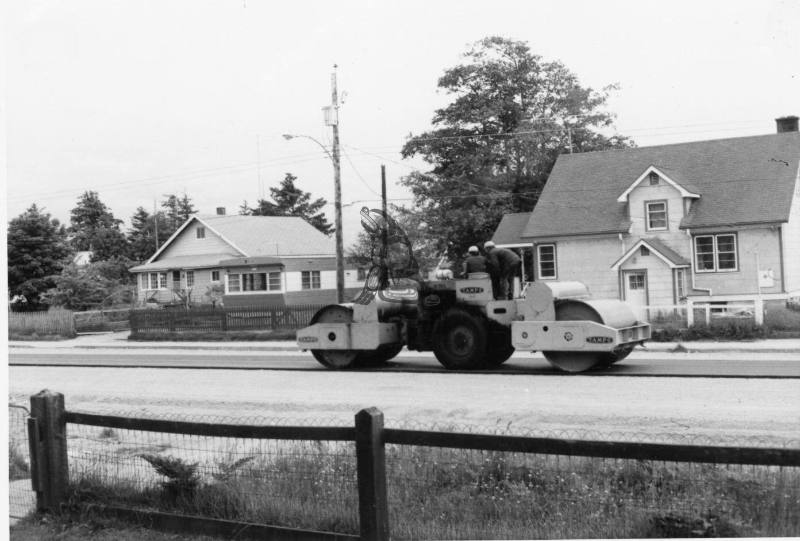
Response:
column 639, row 364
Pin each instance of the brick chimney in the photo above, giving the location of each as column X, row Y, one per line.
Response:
column 221, row 210
column 786, row 124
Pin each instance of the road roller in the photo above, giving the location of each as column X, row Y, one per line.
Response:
column 466, row 328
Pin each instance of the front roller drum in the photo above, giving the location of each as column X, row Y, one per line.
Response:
column 581, row 361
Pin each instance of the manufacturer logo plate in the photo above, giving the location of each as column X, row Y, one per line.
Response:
column 599, row 339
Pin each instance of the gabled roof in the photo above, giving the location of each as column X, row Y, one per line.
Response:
column 252, row 236
column 674, row 179
column 509, row 230
column 746, row 180
column 669, row 256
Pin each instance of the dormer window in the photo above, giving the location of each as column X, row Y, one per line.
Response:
column 656, row 215
column 653, row 176
column 644, row 251
column 201, row 232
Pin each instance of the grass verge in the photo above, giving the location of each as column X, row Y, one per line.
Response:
column 457, row 494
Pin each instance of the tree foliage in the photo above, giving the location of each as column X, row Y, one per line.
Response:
column 142, row 233
column 492, row 147
column 93, row 227
column 289, row 200
column 37, row 251
column 176, row 211
column 97, row 285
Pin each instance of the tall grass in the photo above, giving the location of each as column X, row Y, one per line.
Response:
column 443, row 493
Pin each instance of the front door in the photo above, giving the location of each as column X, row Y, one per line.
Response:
column 635, row 289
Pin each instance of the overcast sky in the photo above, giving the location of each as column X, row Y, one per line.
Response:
column 137, row 99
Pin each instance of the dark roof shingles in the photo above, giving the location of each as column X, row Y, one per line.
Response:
column 742, row 180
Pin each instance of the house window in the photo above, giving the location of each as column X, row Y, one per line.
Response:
column 310, row 280
column 254, row 281
column 656, row 215
column 715, row 253
column 189, row 278
column 653, row 176
column 636, row 281
column 644, row 251
column 546, row 260
column 215, row 276
column 176, row 279
column 201, row 232
column 158, row 280
column 680, row 283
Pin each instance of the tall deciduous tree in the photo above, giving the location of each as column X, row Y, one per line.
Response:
column 37, row 252
column 494, row 145
column 289, row 200
column 93, row 227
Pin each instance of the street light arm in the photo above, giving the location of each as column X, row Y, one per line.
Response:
column 289, row 136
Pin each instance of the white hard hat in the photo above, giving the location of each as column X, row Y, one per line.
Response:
column 488, row 244
column 473, row 250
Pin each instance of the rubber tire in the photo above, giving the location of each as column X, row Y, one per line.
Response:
column 379, row 357
column 460, row 340
column 500, row 349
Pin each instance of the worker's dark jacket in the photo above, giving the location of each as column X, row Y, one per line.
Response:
column 475, row 263
column 503, row 260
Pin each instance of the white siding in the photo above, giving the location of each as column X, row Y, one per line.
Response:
column 672, row 237
column 187, row 243
column 791, row 243
column 589, row 261
column 745, row 279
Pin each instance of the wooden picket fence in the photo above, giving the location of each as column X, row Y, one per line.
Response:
column 222, row 319
column 52, row 322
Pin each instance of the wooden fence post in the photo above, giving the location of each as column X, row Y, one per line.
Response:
column 373, row 504
column 49, row 449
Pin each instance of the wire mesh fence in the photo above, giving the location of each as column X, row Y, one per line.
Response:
column 291, row 483
column 222, row 319
column 437, row 493
column 21, row 497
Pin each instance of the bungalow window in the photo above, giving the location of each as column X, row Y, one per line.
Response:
column 189, row 278
column 254, row 281
column 656, row 215
column 215, row 276
column 158, row 280
column 715, row 253
column 310, row 280
column 546, row 260
column 201, row 232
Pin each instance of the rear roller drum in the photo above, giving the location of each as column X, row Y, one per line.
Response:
column 332, row 358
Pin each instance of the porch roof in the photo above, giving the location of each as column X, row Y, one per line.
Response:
column 182, row 262
column 669, row 256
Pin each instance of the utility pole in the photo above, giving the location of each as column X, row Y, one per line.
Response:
column 337, row 189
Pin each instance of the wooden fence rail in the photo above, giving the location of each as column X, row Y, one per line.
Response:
column 48, row 444
column 222, row 319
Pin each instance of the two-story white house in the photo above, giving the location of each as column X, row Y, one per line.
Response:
column 708, row 221
column 247, row 260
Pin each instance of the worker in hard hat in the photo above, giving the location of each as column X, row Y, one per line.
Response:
column 505, row 265
column 474, row 262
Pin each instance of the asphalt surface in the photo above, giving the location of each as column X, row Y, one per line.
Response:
column 764, row 358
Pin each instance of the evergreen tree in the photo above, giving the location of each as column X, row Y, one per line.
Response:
column 93, row 227
column 37, row 251
column 289, row 200
column 177, row 210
